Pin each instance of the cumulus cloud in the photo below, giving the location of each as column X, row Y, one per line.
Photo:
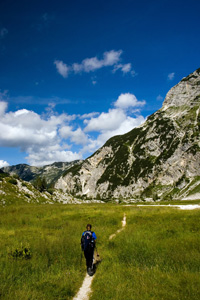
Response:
column 115, row 122
column 48, row 157
column 33, row 134
column 110, row 58
column 76, row 136
column 51, row 137
column 127, row 125
column 24, row 128
column 106, row 121
column 121, row 128
column 127, row 100
column 171, row 76
column 3, row 163
column 62, row 68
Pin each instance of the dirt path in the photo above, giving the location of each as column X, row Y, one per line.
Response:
column 119, row 230
column 85, row 290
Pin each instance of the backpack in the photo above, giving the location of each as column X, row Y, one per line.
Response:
column 87, row 241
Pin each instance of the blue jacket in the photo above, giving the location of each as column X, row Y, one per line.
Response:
column 89, row 240
column 93, row 234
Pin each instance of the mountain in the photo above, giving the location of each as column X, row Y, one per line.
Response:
column 15, row 191
column 50, row 172
column 158, row 160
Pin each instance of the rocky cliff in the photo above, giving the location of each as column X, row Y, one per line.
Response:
column 158, row 160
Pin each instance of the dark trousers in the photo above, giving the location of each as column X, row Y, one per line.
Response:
column 89, row 257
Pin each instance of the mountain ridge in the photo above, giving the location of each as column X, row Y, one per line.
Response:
column 51, row 172
column 150, row 161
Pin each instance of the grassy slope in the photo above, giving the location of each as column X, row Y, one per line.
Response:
column 11, row 194
column 157, row 256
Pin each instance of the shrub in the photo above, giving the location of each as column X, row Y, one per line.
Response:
column 12, row 181
column 21, row 252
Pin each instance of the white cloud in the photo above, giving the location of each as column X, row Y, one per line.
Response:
column 106, row 121
column 65, row 131
column 110, row 58
column 92, row 64
column 31, row 133
column 127, row 100
column 125, row 126
column 48, row 157
column 3, row 163
column 125, row 68
column 115, row 122
column 62, row 68
column 76, row 136
column 79, row 137
column 51, row 137
column 171, row 76
column 89, row 115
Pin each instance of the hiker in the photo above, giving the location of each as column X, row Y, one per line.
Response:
column 88, row 241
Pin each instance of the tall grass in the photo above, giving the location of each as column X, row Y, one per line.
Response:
column 52, row 234
column 157, row 256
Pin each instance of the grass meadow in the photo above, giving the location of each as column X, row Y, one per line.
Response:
column 156, row 256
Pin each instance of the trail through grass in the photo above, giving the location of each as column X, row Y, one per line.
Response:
column 52, row 233
column 85, row 290
column 156, row 256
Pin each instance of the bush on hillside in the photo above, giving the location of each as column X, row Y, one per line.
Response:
column 13, row 181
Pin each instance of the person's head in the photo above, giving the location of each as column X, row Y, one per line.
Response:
column 89, row 227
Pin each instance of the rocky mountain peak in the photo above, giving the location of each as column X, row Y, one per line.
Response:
column 158, row 160
column 186, row 92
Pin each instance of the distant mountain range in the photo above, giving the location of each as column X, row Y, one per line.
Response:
column 158, row 160
column 50, row 172
column 14, row 190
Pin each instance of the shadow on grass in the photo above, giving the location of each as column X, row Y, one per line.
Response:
column 95, row 266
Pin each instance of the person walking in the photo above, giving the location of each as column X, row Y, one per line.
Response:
column 88, row 241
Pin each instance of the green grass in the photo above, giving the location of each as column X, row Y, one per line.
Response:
column 52, row 234
column 157, row 256
column 11, row 194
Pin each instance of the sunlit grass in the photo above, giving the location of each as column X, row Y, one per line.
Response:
column 156, row 256
column 52, row 233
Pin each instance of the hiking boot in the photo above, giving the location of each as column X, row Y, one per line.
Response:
column 90, row 271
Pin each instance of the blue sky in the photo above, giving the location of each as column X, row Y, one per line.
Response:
column 75, row 73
